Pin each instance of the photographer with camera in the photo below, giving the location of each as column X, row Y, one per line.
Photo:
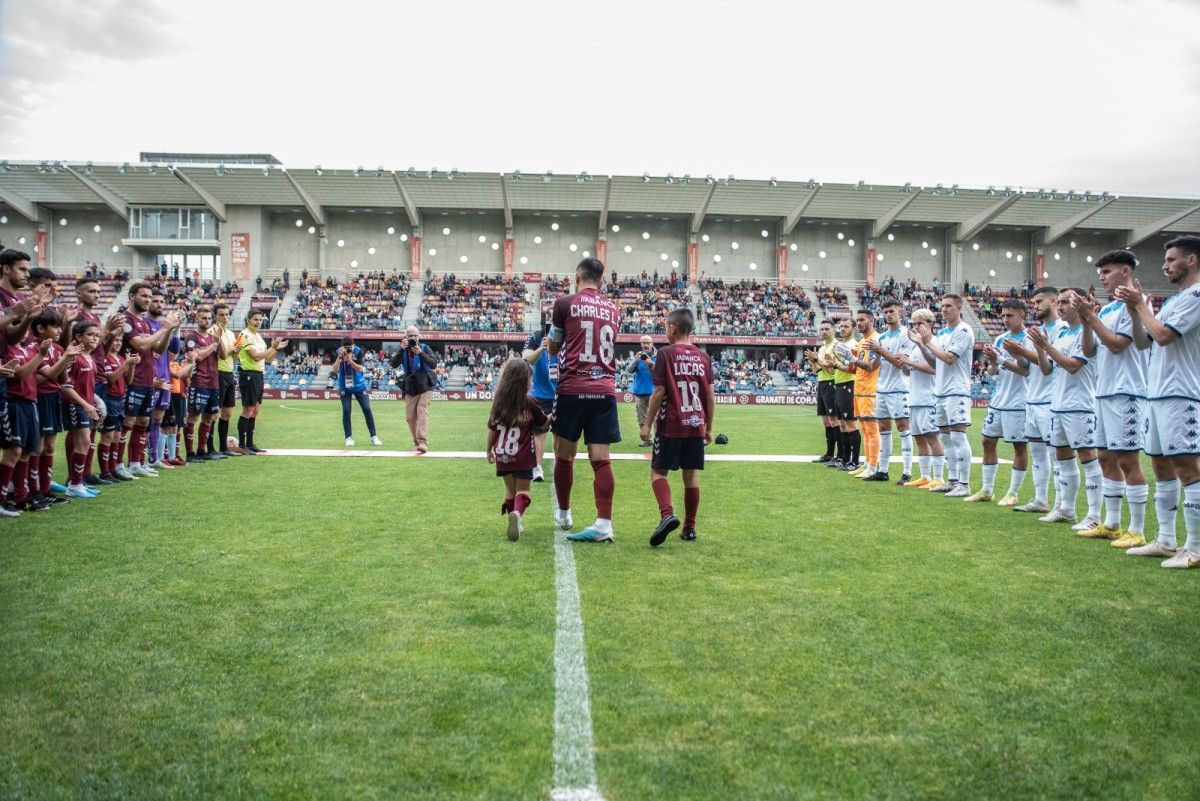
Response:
column 642, row 369
column 417, row 383
column 352, row 384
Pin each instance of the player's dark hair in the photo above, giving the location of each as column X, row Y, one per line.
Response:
column 1016, row 304
column 1045, row 290
column 157, row 290
column 254, row 313
column 956, row 298
column 220, row 306
column 510, row 406
column 864, row 311
column 10, row 257
column 682, row 319
column 138, row 286
column 890, row 303
column 47, row 318
column 40, row 275
column 827, row 321
column 1083, row 293
column 592, row 269
column 80, row 327
column 1188, row 243
column 204, row 308
column 86, row 280
column 1125, row 257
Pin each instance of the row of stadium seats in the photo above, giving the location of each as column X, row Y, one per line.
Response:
column 483, row 304
column 373, row 300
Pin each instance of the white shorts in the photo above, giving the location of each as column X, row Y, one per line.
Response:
column 1039, row 423
column 891, row 406
column 1173, row 427
column 921, row 420
column 1121, row 423
column 1074, row 430
column 953, row 410
column 1009, row 425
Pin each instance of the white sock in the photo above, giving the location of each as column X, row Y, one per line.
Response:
column 885, row 450
column 1191, row 516
column 1166, row 499
column 1068, row 484
column 964, row 457
column 950, row 457
column 938, row 466
column 989, row 477
column 906, row 451
column 1092, row 476
column 1137, row 494
column 603, row 524
column 923, row 461
column 1043, row 470
column 1114, row 493
column 172, row 446
column 1016, row 481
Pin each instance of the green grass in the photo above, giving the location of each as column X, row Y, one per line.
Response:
column 320, row 628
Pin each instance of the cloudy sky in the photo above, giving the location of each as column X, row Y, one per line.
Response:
column 1067, row 94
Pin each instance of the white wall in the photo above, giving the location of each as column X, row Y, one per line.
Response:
column 288, row 246
column 465, row 228
column 753, row 248
column 359, row 231
column 667, row 237
column 553, row 254
column 844, row 260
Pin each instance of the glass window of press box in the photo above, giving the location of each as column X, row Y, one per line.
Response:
column 172, row 223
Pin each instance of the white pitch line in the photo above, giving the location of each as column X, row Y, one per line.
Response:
column 574, row 763
column 788, row 458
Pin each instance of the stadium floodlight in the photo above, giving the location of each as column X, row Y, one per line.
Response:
column 616, row 228
column 663, row 256
column 20, row 240
column 3, row 219
column 357, row 171
column 686, row 179
column 717, row 258
column 341, row 243
column 554, row 226
column 371, row 251
column 992, row 273
column 753, row 266
column 391, row 230
column 403, row 237
column 299, row 223
column 628, row 249
column 1020, row 257
column 765, row 233
column 841, row 235
column 878, row 257
column 1008, row 254
column 933, row 251
column 495, row 246
column 804, row 267
column 462, row 259
column 354, row 263
column 572, row 247
column 704, row 237
column 537, row 240
column 708, row 180
column 446, row 231
column 821, row 254
column 1045, row 276
column 524, row 260
column 547, row 176
column 891, row 237
column 850, row 242
column 645, row 177
column 453, row 172
column 1057, row 256
column 907, row 264
column 1089, row 259
column 312, row 229
column 975, row 246
column 795, row 247
column 675, row 263
column 925, row 244
column 645, row 234
column 318, row 170
column 734, row 245
column 116, row 248
column 96, row 228
column 433, row 251
column 63, row 222
column 1072, row 244
column 772, row 182
column 79, row 241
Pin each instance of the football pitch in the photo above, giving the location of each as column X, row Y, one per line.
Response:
column 319, row 628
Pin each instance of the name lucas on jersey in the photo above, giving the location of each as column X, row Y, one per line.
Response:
column 593, row 311
column 688, row 366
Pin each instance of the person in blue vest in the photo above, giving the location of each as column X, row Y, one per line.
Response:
column 352, row 383
column 545, row 386
column 642, row 369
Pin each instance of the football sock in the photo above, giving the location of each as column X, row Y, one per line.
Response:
column 906, row 451
column 154, row 441
column 507, row 506
column 1040, row 464
column 964, row 456
column 885, row 450
column 189, row 430
column 21, row 480
column 937, row 465
column 989, row 477
column 691, row 504
column 662, row 494
column 122, row 444
column 202, row 440
column 870, row 435
column 250, row 431
column 1191, row 516
column 602, row 488
column 1016, row 481
column 1114, row 492
column 76, row 466
column 1092, row 476
column 521, row 502
column 843, row 446
column 223, row 434
column 564, row 477
column 924, row 460
column 35, row 474
column 6, row 475
column 242, row 431
column 855, row 446
column 1068, row 484
column 1137, row 495
column 831, row 439
column 48, row 472
column 951, row 457
column 172, row 448
column 103, row 448
column 1166, row 500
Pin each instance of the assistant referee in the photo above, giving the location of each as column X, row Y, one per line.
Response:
column 253, row 355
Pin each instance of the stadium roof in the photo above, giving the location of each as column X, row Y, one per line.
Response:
column 26, row 185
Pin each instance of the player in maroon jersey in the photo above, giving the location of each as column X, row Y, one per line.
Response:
column 583, row 335
column 510, row 446
column 204, row 395
column 114, row 371
column 51, row 378
column 682, row 408
column 87, row 292
column 148, row 344
column 80, row 413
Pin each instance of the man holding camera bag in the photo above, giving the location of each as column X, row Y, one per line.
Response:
column 418, row 382
column 642, row 368
column 352, row 384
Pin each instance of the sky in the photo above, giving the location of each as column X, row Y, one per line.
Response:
column 1100, row 95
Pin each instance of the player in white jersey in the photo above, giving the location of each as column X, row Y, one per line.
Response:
column 1006, row 410
column 891, row 395
column 922, row 405
column 950, row 353
column 1173, row 387
column 1038, row 420
column 1073, row 405
column 1120, row 404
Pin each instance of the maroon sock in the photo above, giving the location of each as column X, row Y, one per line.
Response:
column 103, row 457
column 21, row 481
column 6, row 475
column 137, row 450
column 116, row 452
column 564, row 477
column 603, row 488
column 521, row 502
column 507, row 506
column 47, row 472
column 202, row 439
column 662, row 494
column 77, row 466
column 35, row 474
column 691, row 502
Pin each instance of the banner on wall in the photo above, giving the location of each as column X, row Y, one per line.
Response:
column 239, row 257
column 871, row 253
column 43, row 239
column 414, row 255
column 1039, row 269
column 510, row 248
column 693, row 257
column 781, row 261
column 602, row 250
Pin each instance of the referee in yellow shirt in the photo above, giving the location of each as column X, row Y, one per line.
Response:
column 823, row 364
column 253, row 355
column 226, row 383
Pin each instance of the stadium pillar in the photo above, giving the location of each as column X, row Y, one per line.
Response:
column 781, row 259
column 871, row 255
column 510, row 248
column 956, row 266
column 414, row 252
column 602, row 247
column 693, row 259
column 322, row 244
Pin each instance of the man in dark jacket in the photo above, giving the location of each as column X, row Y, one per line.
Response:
column 417, row 361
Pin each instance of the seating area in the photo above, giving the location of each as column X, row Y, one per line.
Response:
column 489, row 303
column 751, row 308
column 292, row 371
column 735, row 376
column 65, row 289
column 367, row 301
column 188, row 298
column 483, row 364
column 645, row 301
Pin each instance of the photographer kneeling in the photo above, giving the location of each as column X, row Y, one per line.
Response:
column 352, row 383
column 417, row 361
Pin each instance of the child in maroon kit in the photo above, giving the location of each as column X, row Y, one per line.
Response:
column 114, row 371
column 682, row 408
column 51, row 378
column 24, row 432
column 79, row 405
column 510, row 445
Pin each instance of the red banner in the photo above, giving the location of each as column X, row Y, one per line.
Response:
column 414, row 255
column 43, row 239
column 510, row 248
column 871, row 267
column 531, row 278
column 602, row 251
column 239, row 257
column 781, row 257
column 693, row 257
column 1039, row 269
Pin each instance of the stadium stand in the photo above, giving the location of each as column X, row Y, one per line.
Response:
column 371, row 300
column 751, row 308
column 109, row 289
column 488, row 303
column 187, row 298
